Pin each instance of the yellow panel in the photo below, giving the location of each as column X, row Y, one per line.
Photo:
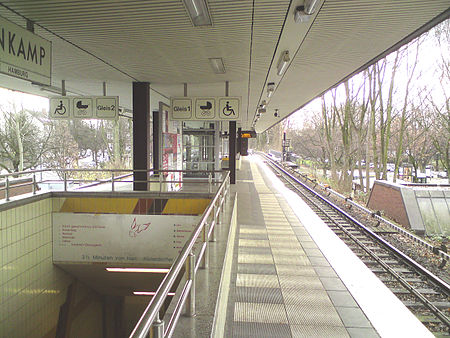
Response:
column 180, row 206
column 100, row 205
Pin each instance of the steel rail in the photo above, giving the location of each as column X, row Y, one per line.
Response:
column 380, row 261
column 408, row 259
column 436, row 280
column 435, row 250
column 149, row 315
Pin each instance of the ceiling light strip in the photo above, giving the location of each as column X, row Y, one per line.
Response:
column 138, row 270
column 198, row 12
column 150, row 293
column 217, row 65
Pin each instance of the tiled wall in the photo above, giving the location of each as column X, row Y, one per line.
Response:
column 32, row 289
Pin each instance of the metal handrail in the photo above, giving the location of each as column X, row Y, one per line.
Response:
column 150, row 315
column 35, row 171
column 113, row 176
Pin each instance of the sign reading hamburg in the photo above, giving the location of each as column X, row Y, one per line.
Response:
column 24, row 54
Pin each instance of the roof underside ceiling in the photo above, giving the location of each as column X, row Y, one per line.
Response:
column 133, row 40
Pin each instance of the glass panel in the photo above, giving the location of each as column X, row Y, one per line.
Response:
column 198, row 148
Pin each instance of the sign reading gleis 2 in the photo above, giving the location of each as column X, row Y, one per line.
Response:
column 205, row 108
column 24, row 54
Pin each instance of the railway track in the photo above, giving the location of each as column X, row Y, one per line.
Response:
column 425, row 294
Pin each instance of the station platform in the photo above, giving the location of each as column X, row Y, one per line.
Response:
column 291, row 276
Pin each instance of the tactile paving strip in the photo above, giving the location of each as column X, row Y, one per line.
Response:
column 288, row 251
column 258, row 281
column 295, row 270
column 252, row 250
column 279, row 232
column 259, row 295
column 306, row 283
column 315, row 331
column 305, row 298
column 294, row 260
column 253, row 236
column 261, row 330
column 275, row 282
column 260, row 313
column 261, row 269
column 316, row 315
column 253, row 242
column 292, row 243
column 252, row 231
column 255, row 259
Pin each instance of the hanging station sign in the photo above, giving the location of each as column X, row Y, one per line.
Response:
column 84, row 107
column 24, row 54
column 205, row 108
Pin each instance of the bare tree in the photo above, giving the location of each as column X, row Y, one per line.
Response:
column 23, row 139
column 329, row 130
column 410, row 72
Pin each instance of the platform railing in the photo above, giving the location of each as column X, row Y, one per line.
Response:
column 106, row 180
column 150, row 322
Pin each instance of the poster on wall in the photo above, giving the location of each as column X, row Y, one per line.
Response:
column 113, row 238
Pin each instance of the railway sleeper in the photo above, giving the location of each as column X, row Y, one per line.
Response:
column 428, row 319
column 398, row 270
column 439, row 305
column 421, row 290
column 373, row 262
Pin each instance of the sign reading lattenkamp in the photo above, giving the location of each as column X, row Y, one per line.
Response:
column 24, row 54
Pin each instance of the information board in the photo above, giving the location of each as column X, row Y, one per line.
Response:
column 119, row 238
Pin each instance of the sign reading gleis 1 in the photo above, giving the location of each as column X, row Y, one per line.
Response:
column 24, row 54
column 205, row 108
column 84, row 107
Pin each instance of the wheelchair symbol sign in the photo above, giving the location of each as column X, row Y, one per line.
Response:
column 229, row 108
column 59, row 108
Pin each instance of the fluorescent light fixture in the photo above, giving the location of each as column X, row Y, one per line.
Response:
column 150, row 293
column 217, row 65
column 270, row 89
column 198, row 11
column 303, row 13
column 283, row 62
column 311, row 6
column 139, row 270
